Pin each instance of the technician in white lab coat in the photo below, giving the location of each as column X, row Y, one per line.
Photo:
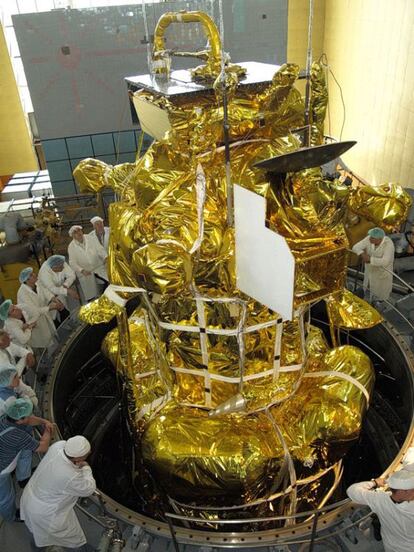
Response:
column 44, row 330
column 16, row 323
column 48, row 501
column 54, row 282
column 377, row 252
column 99, row 238
column 16, row 446
column 394, row 507
column 21, row 357
column 100, row 233
column 84, row 260
column 11, row 385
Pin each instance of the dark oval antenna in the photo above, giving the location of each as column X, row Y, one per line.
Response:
column 305, row 158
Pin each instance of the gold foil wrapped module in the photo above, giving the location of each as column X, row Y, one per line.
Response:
column 190, row 451
column 386, row 205
column 196, row 341
column 346, row 310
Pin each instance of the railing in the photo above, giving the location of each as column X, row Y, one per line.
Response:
column 313, row 515
column 405, row 288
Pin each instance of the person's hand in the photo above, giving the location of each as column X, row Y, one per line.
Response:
column 74, row 294
column 49, row 426
column 86, row 272
column 380, row 481
column 28, row 326
column 30, row 360
column 365, row 257
column 80, row 463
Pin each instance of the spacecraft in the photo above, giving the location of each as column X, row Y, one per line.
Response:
column 229, row 382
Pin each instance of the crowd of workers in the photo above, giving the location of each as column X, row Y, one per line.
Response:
column 63, row 475
column 29, row 327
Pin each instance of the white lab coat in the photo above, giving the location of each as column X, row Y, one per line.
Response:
column 13, row 352
column 101, row 251
column 44, row 331
column 83, row 256
column 376, row 279
column 105, row 243
column 397, row 520
column 48, row 500
column 14, row 328
column 50, row 284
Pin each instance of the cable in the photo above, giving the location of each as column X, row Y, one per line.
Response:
column 121, row 120
column 323, row 60
column 343, row 103
column 308, row 92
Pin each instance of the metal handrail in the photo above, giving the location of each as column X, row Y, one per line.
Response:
column 399, row 278
column 318, row 539
column 406, row 284
column 262, row 519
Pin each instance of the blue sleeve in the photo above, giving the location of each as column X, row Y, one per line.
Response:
column 27, row 441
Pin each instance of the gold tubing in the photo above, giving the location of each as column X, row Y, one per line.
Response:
column 213, row 55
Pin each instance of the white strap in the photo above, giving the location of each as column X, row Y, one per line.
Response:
column 141, row 375
column 154, row 406
column 235, row 379
column 201, row 198
column 114, row 297
column 277, row 349
column 204, row 350
column 340, row 375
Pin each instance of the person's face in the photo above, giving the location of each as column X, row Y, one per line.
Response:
column 400, row 495
column 15, row 312
column 80, row 459
column 32, row 279
column 78, row 235
column 99, row 227
column 4, row 341
column 58, row 268
column 375, row 241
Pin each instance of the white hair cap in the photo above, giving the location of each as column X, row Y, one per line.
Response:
column 73, row 229
column 96, row 219
column 77, row 446
column 402, row 480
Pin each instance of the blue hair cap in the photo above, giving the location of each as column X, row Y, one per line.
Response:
column 376, row 233
column 25, row 274
column 4, row 309
column 18, row 408
column 55, row 260
column 7, row 373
